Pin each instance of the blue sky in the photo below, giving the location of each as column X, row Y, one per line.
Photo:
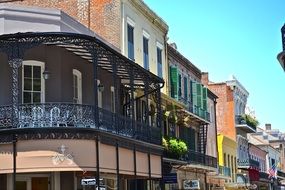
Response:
column 239, row 37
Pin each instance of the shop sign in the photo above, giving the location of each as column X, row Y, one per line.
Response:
column 170, row 178
column 85, row 182
column 191, row 184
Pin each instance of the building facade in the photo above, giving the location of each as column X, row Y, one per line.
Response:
column 68, row 119
column 187, row 118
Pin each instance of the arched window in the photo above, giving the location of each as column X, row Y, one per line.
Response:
column 33, row 86
column 77, row 86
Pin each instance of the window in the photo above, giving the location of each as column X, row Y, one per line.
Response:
column 145, row 53
column 131, row 48
column 77, row 86
column 159, row 61
column 225, row 159
column 33, row 82
column 185, row 89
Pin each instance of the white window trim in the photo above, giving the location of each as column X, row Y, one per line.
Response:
column 131, row 22
column 34, row 63
column 79, row 83
column 146, row 34
column 159, row 45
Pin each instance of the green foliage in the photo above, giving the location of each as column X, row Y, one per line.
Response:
column 250, row 121
column 174, row 148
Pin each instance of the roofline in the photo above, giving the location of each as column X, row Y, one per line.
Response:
column 185, row 61
column 150, row 15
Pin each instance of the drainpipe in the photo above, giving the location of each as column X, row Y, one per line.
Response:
column 215, row 105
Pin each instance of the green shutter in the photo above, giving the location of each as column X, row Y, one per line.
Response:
column 199, row 95
column 205, row 95
column 173, row 81
column 194, row 93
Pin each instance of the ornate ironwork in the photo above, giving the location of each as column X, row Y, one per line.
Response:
column 199, row 158
column 54, row 115
column 15, row 63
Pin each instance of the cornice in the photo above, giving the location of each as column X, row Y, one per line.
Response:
column 150, row 15
column 184, row 61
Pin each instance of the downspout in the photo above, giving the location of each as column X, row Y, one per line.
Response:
column 215, row 105
column 162, row 185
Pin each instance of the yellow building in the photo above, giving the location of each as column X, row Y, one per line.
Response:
column 227, row 150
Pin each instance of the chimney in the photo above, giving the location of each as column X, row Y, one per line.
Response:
column 267, row 126
column 205, row 78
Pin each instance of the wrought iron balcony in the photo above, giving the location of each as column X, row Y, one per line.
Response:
column 194, row 157
column 248, row 163
column 241, row 123
column 225, row 171
column 196, row 110
column 48, row 115
column 263, row 175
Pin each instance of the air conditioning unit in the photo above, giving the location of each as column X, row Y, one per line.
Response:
column 191, row 184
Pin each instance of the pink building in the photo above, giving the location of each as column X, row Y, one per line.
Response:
column 258, row 175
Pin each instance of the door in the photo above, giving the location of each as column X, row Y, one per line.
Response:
column 39, row 183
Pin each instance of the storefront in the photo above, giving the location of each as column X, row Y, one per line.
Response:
column 71, row 165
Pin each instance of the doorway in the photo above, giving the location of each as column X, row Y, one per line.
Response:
column 32, row 182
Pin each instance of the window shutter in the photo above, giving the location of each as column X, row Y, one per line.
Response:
column 199, row 95
column 205, row 95
column 173, row 81
column 194, row 92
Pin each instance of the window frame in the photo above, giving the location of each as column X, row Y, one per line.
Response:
column 131, row 24
column 78, row 74
column 159, row 61
column 34, row 63
column 145, row 54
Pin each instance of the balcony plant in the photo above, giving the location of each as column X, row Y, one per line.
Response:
column 250, row 121
column 174, row 148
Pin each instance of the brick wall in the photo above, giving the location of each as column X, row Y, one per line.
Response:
column 225, row 110
column 105, row 15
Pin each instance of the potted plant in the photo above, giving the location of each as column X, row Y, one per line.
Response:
column 174, row 148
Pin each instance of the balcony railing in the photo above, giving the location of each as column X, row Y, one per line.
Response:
column 80, row 116
column 263, row 175
column 199, row 158
column 225, row 171
column 195, row 109
column 240, row 121
column 248, row 163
